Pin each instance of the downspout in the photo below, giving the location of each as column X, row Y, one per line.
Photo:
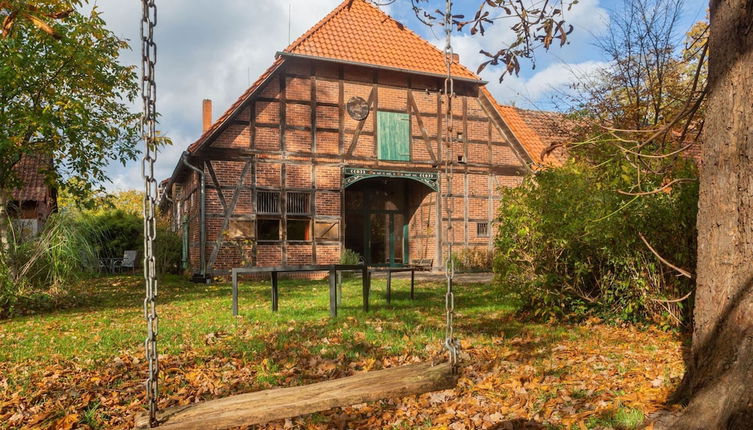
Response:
column 202, row 213
column 164, row 194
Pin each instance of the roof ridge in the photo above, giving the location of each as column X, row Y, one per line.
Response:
column 318, row 26
column 532, row 110
column 349, row 3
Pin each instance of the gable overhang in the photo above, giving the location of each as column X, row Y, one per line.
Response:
column 219, row 127
column 285, row 54
column 488, row 103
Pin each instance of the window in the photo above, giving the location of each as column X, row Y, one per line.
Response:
column 393, row 136
column 241, row 229
column 268, row 229
column 267, row 202
column 298, row 203
column 482, row 229
column 327, row 230
column 299, row 229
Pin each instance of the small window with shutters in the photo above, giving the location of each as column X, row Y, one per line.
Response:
column 393, row 136
column 268, row 202
column 298, row 203
column 327, row 231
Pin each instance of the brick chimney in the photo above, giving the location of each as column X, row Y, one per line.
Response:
column 206, row 120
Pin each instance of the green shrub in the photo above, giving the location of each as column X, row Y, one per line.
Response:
column 475, row 259
column 568, row 245
column 117, row 231
column 168, row 251
column 34, row 272
column 350, row 257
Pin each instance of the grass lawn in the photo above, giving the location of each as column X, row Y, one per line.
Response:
column 84, row 368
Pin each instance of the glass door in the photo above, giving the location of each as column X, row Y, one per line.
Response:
column 386, row 238
column 378, row 239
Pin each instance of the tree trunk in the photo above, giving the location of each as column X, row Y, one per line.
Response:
column 718, row 385
column 4, row 222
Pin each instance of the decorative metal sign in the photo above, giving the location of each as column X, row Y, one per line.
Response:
column 358, row 109
column 354, row 174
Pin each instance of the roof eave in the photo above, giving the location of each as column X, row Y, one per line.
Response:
column 377, row 66
column 179, row 167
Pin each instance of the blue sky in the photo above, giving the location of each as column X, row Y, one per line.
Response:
column 215, row 48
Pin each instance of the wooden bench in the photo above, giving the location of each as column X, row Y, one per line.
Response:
column 333, row 269
column 425, row 264
column 390, row 270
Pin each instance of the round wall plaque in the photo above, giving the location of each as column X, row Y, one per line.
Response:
column 358, row 109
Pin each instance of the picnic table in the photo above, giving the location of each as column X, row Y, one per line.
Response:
column 389, row 271
column 333, row 270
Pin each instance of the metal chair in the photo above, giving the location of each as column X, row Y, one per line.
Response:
column 128, row 261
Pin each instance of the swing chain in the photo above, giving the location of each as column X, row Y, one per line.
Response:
column 451, row 343
column 148, row 131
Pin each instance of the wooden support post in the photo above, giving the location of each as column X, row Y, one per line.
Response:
column 389, row 286
column 366, row 285
column 275, row 292
column 412, row 282
column 235, row 293
column 333, row 293
column 339, row 289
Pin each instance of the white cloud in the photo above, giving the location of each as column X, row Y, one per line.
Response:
column 213, row 49
column 206, row 49
column 557, row 69
column 553, row 81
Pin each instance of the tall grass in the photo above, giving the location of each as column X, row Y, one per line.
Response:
column 34, row 269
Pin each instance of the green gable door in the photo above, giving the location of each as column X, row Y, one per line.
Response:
column 393, row 135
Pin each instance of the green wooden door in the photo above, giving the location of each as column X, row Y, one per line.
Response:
column 393, row 135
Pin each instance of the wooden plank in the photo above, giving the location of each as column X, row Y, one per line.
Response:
column 412, row 283
column 264, row 406
column 333, row 293
column 366, row 286
column 275, row 292
column 389, row 287
column 300, row 268
column 235, row 293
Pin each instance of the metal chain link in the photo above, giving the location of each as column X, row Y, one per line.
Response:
column 148, row 131
column 450, row 342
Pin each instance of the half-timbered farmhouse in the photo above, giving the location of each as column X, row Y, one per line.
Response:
column 338, row 145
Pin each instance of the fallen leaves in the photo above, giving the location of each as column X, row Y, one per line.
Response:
column 513, row 376
column 523, row 378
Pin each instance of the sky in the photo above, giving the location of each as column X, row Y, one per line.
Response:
column 214, row 49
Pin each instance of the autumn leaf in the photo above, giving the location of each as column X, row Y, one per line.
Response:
column 67, row 422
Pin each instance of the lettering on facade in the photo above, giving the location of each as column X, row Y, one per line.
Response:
column 353, row 175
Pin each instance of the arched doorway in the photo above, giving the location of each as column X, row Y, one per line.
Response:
column 377, row 217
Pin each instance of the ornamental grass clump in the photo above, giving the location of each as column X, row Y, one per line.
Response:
column 35, row 271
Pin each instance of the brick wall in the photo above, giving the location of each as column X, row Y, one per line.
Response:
column 300, row 138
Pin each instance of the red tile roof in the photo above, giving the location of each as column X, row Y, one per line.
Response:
column 236, row 106
column 30, row 173
column 359, row 32
column 539, row 132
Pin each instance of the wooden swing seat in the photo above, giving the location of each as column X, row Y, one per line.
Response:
column 269, row 405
